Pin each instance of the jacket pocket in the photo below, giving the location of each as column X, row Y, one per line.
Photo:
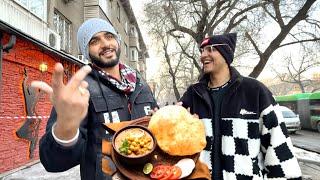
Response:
column 113, row 103
column 144, row 98
column 143, row 104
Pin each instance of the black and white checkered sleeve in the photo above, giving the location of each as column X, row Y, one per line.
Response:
column 279, row 160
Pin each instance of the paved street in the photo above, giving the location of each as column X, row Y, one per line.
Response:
column 308, row 140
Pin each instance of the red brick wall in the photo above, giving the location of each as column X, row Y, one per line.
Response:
column 14, row 152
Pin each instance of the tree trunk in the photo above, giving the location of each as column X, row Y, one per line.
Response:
column 302, row 87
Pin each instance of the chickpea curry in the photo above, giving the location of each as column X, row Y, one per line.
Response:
column 134, row 142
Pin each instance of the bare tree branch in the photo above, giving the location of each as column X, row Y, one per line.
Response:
column 195, row 19
column 254, row 44
column 194, row 60
column 269, row 13
column 233, row 24
column 217, row 22
column 313, row 22
column 176, row 25
column 278, row 13
column 301, row 15
column 300, row 41
column 295, row 72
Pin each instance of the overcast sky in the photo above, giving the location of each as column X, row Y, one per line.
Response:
column 153, row 62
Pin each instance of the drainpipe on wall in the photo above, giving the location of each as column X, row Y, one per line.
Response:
column 1, row 51
column 0, row 63
column 5, row 48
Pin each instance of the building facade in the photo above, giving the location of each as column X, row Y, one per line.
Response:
column 24, row 111
column 34, row 35
column 55, row 22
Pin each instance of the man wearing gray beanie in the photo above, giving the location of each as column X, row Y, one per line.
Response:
column 105, row 91
column 246, row 135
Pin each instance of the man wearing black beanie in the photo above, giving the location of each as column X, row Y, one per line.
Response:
column 246, row 135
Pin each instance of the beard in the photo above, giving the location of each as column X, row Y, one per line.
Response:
column 206, row 70
column 111, row 63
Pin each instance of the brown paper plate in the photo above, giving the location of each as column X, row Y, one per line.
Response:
column 158, row 157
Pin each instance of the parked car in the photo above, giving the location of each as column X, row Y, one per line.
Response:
column 291, row 119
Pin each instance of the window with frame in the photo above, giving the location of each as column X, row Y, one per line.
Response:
column 63, row 27
column 36, row 7
column 126, row 27
column 126, row 49
column 118, row 11
column 134, row 54
column 133, row 32
column 120, row 37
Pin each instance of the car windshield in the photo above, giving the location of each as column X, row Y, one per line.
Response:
column 288, row 114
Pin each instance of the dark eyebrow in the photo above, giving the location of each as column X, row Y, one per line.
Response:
column 93, row 38
column 96, row 38
column 107, row 33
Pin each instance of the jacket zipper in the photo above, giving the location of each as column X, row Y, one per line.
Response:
column 129, row 104
column 208, row 104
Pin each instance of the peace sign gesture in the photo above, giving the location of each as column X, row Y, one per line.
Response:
column 69, row 100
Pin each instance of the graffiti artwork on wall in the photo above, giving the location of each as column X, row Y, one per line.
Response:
column 30, row 128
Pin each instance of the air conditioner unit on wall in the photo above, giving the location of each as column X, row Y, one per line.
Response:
column 81, row 58
column 54, row 39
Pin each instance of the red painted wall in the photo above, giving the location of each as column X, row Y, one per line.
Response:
column 14, row 152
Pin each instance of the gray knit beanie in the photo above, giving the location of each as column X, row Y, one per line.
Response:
column 89, row 28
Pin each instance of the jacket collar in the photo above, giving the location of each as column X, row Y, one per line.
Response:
column 139, row 83
column 201, row 86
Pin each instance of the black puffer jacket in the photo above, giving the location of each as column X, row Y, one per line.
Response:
column 105, row 102
column 254, row 142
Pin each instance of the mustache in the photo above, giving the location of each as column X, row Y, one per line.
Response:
column 97, row 60
column 206, row 59
column 106, row 49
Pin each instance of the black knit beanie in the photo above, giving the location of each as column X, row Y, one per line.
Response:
column 227, row 51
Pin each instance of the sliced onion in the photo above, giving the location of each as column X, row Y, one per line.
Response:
column 186, row 165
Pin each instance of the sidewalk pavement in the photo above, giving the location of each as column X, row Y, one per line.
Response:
column 37, row 172
column 309, row 163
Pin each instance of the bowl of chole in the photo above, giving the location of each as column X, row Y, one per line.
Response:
column 134, row 145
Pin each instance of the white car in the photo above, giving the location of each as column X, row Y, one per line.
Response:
column 291, row 119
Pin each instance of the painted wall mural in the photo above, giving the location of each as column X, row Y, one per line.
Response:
column 30, row 128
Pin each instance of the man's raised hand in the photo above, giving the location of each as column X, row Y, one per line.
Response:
column 69, row 100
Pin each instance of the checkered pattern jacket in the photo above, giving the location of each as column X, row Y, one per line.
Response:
column 255, row 143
